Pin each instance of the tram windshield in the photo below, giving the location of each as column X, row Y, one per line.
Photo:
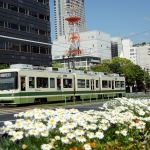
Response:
column 8, row 80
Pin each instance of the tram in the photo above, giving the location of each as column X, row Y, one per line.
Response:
column 24, row 83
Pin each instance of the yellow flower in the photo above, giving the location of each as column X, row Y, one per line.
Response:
column 24, row 146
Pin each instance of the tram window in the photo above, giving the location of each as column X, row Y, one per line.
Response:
column 58, row 84
column 81, row 83
column 117, row 84
column 67, row 83
column 96, row 83
column 42, row 82
column 52, row 82
column 23, row 83
column 109, row 84
column 122, row 84
column 104, row 84
column 31, row 82
column 87, row 83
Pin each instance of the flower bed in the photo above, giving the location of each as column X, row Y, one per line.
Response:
column 123, row 125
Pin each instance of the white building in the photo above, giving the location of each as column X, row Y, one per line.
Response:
column 60, row 13
column 93, row 43
column 139, row 55
column 127, row 44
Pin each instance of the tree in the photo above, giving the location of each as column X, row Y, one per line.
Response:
column 143, row 43
column 4, row 66
column 124, row 66
column 55, row 64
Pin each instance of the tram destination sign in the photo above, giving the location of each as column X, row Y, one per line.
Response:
column 5, row 75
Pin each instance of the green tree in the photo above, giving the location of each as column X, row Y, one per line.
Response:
column 143, row 43
column 3, row 66
column 55, row 64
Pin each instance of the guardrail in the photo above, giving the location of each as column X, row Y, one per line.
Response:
column 103, row 97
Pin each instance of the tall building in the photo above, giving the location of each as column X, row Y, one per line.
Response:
column 25, row 32
column 60, row 13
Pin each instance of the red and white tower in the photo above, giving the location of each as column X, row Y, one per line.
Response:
column 73, row 32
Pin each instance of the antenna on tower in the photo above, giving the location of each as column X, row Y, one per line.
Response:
column 73, row 32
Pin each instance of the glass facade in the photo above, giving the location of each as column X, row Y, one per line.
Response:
column 25, row 32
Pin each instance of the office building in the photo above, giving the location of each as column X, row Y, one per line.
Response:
column 60, row 13
column 25, row 32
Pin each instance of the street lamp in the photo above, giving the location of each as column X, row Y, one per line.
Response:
column 63, row 56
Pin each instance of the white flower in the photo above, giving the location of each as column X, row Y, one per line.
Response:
column 124, row 132
column 81, row 139
column 46, row 147
column 87, row 147
column 70, row 135
column 18, row 135
column 33, row 132
column 40, row 127
column 90, row 135
column 79, row 132
column 8, row 123
column 57, row 137
column 13, row 139
column 63, row 130
column 117, row 132
column 65, row 139
column 44, row 133
column 99, row 135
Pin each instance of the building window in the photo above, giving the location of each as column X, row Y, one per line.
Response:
column 131, row 50
column 41, row 16
column 24, row 48
column 14, row 46
column 43, row 50
column 22, row 28
column 34, row 49
column 1, row 23
column 14, row 8
column 2, row 45
column 22, row 10
column 131, row 53
column 41, row 32
column 41, row 1
column 14, row 26
column 1, row 4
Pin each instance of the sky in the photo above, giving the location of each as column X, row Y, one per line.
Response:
column 124, row 18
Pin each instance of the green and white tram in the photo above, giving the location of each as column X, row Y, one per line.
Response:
column 24, row 83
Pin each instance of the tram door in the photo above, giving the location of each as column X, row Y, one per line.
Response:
column 92, row 84
column 23, row 88
column 113, row 84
